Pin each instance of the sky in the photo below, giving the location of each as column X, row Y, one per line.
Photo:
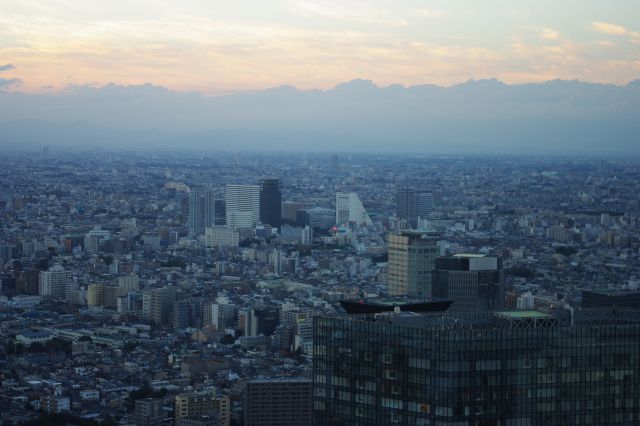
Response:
column 216, row 47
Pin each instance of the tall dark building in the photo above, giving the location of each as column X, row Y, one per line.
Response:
column 209, row 201
column 508, row 368
column 474, row 282
column 424, row 203
column 204, row 211
column 220, row 213
column 406, row 203
column 412, row 204
column 271, row 203
column 276, row 402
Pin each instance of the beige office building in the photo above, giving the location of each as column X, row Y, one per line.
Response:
column 412, row 256
column 194, row 404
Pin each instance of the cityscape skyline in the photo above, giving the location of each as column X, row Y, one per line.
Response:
column 319, row 212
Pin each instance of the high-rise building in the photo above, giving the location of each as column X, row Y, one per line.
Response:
column 254, row 322
column 7, row 252
column 182, row 314
column 318, row 218
column 242, row 205
column 506, row 368
column 290, row 210
column 220, row 213
column 204, row 211
column 196, row 212
column 56, row 283
column 473, row 282
column 307, row 236
column 271, row 203
column 406, row 203
column 349, row 208
column 157, row 305
column 424, row 203
column 129, row 283
column 28, row 281
column 224, row 315
column 221, row 236
column 412, row 257
column 193, row 404
column 94, row 238
column 209, row 207
column 148, row 412
column 412, row 204
column 276, row 402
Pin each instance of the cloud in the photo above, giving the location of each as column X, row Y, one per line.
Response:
column 604, row 43
column 549, row 34
column 348, row 11
column 215, row 55
column 6, row 67
column 606, row 28
column 9, row 83
column 616, row 30
column 430, row 13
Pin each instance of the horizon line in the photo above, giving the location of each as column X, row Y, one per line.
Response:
column 212, row 92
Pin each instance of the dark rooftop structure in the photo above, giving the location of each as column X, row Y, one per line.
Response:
column 610, row 298
column 403, row 304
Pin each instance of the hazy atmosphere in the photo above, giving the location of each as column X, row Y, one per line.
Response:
column 319, row 213
column 377, row 75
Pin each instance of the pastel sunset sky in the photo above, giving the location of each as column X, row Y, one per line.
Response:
column 228, row 46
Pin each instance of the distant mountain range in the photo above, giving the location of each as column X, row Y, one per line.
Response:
column 485, row 116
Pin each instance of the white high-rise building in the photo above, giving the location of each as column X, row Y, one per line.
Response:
column 349, row 208
column 307, row 236
column 56, row 283
column 243, row 205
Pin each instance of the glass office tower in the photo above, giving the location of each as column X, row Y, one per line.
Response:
column 522, row 368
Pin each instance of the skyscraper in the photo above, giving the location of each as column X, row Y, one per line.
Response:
column 349, row 208
column 196, row 213
column 271, row 203
column 274, row 402
column 157, row 305
column 209, row 207
column 56, row 283
column 412, row 204
column 424, row 203
column 220, row 215
column 508, row 368
column 204, row 210
column 411, row 263
column 242, row 205
column 406, row 203
column 473, row 282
